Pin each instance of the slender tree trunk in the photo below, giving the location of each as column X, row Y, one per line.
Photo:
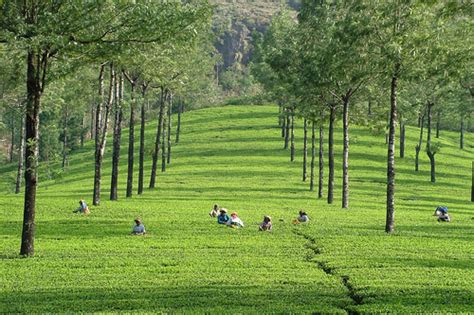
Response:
column 131, row 140
column 280, row 113
column 65, row 161
column 287, row 129
column 345, row 154
column 420, row 141
column 12, row 144
column 292, row 140
column 83, row 130
column 101, row 131
column 461, row 134
column 117, row 137
column 21, row 153
column 313, row 156
column 321, row 161
column 164, row 134
column 429, row 151
column 170, row 113
column 178, row 125
column 390, row 217
column 402, row 138
column 35, row 74
column 438, row 123
column 369, row 107
column 283, row 124
column 142, row 140
column 305, row 149
column 332, row 118
column 156, row 152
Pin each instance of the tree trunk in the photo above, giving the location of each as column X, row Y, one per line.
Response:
column 345, row 153
column 21, row 152
column 178, row 125
column 131, row 140
column 12, row 144
column 313, row 156
column 321, row 161
column 332, row 118
column 292, row 140
column 283, row 124
column 157, row 148
column 438, row 123
column 431, row 153
column 142, row 140
column 305, row 149
column 93, row 121
column 101, row 129
column 461, row 135
column 83, row 130
column 402, row 139
column 65, row 161
column 170, row 113
column 420, row 141
column 117, row 138
column 35, row 77
column 287, row 129
column 390, row 217
column 369, row 107
column 164, row 134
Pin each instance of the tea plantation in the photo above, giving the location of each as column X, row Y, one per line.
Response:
column 342, row 261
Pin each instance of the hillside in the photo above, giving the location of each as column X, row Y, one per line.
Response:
column 340, row 262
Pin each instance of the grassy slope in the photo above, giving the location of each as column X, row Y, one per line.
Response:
column 233, row 156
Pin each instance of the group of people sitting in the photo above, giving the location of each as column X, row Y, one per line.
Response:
column 235, row 222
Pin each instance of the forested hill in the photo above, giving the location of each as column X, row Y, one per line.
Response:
column 236, row 20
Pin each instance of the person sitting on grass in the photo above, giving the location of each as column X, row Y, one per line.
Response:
column 139, row 228
column 303, row 217
column 442, row 214
column 235, row 221
column 222, row 218
column 215, row 211
column 82, row 208
column 266, row 225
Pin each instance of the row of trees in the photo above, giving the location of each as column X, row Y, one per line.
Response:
column 363, row 61
column 139, row 50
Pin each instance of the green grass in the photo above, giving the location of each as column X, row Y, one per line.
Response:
column 188, row 264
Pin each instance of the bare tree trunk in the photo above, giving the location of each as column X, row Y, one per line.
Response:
column 142, row 140
column 402, row 138
column 119, row 85
column 283, row 123
column 287, row 129
column 170, row 113
column 178, row 125
column 131, row 138
column 97, row 133
column 305, row 149
column 83, row 130
column 12, row 144
column 292, row 140
column 164, row 134
column 157, row 148
column 438, row 123
column 65, row 160
column 21, row 153
column 332, row 118
column 420, row 141
column 101, row 130
column 431, row 153
column 321, row 161
column 313, row 156
column 35, row 77
column 461, row 134
column 345, row 154
column 390, row 217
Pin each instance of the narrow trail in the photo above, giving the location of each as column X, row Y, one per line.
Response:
column 356, row 298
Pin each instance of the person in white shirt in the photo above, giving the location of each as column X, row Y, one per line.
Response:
column 139, row 228
column 235, row 221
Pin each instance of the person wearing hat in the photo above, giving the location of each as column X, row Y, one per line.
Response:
column 266, row 225
column 235, row 221
column 139, row 228
column 222, row 218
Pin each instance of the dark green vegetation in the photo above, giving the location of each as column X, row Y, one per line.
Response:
column 233, row 156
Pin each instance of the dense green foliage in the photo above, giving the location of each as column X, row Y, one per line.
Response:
column 187, row 263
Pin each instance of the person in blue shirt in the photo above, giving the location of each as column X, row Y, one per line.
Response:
column 222, row 218
column 139, row 228
column 442, row 214
column 82, row 208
